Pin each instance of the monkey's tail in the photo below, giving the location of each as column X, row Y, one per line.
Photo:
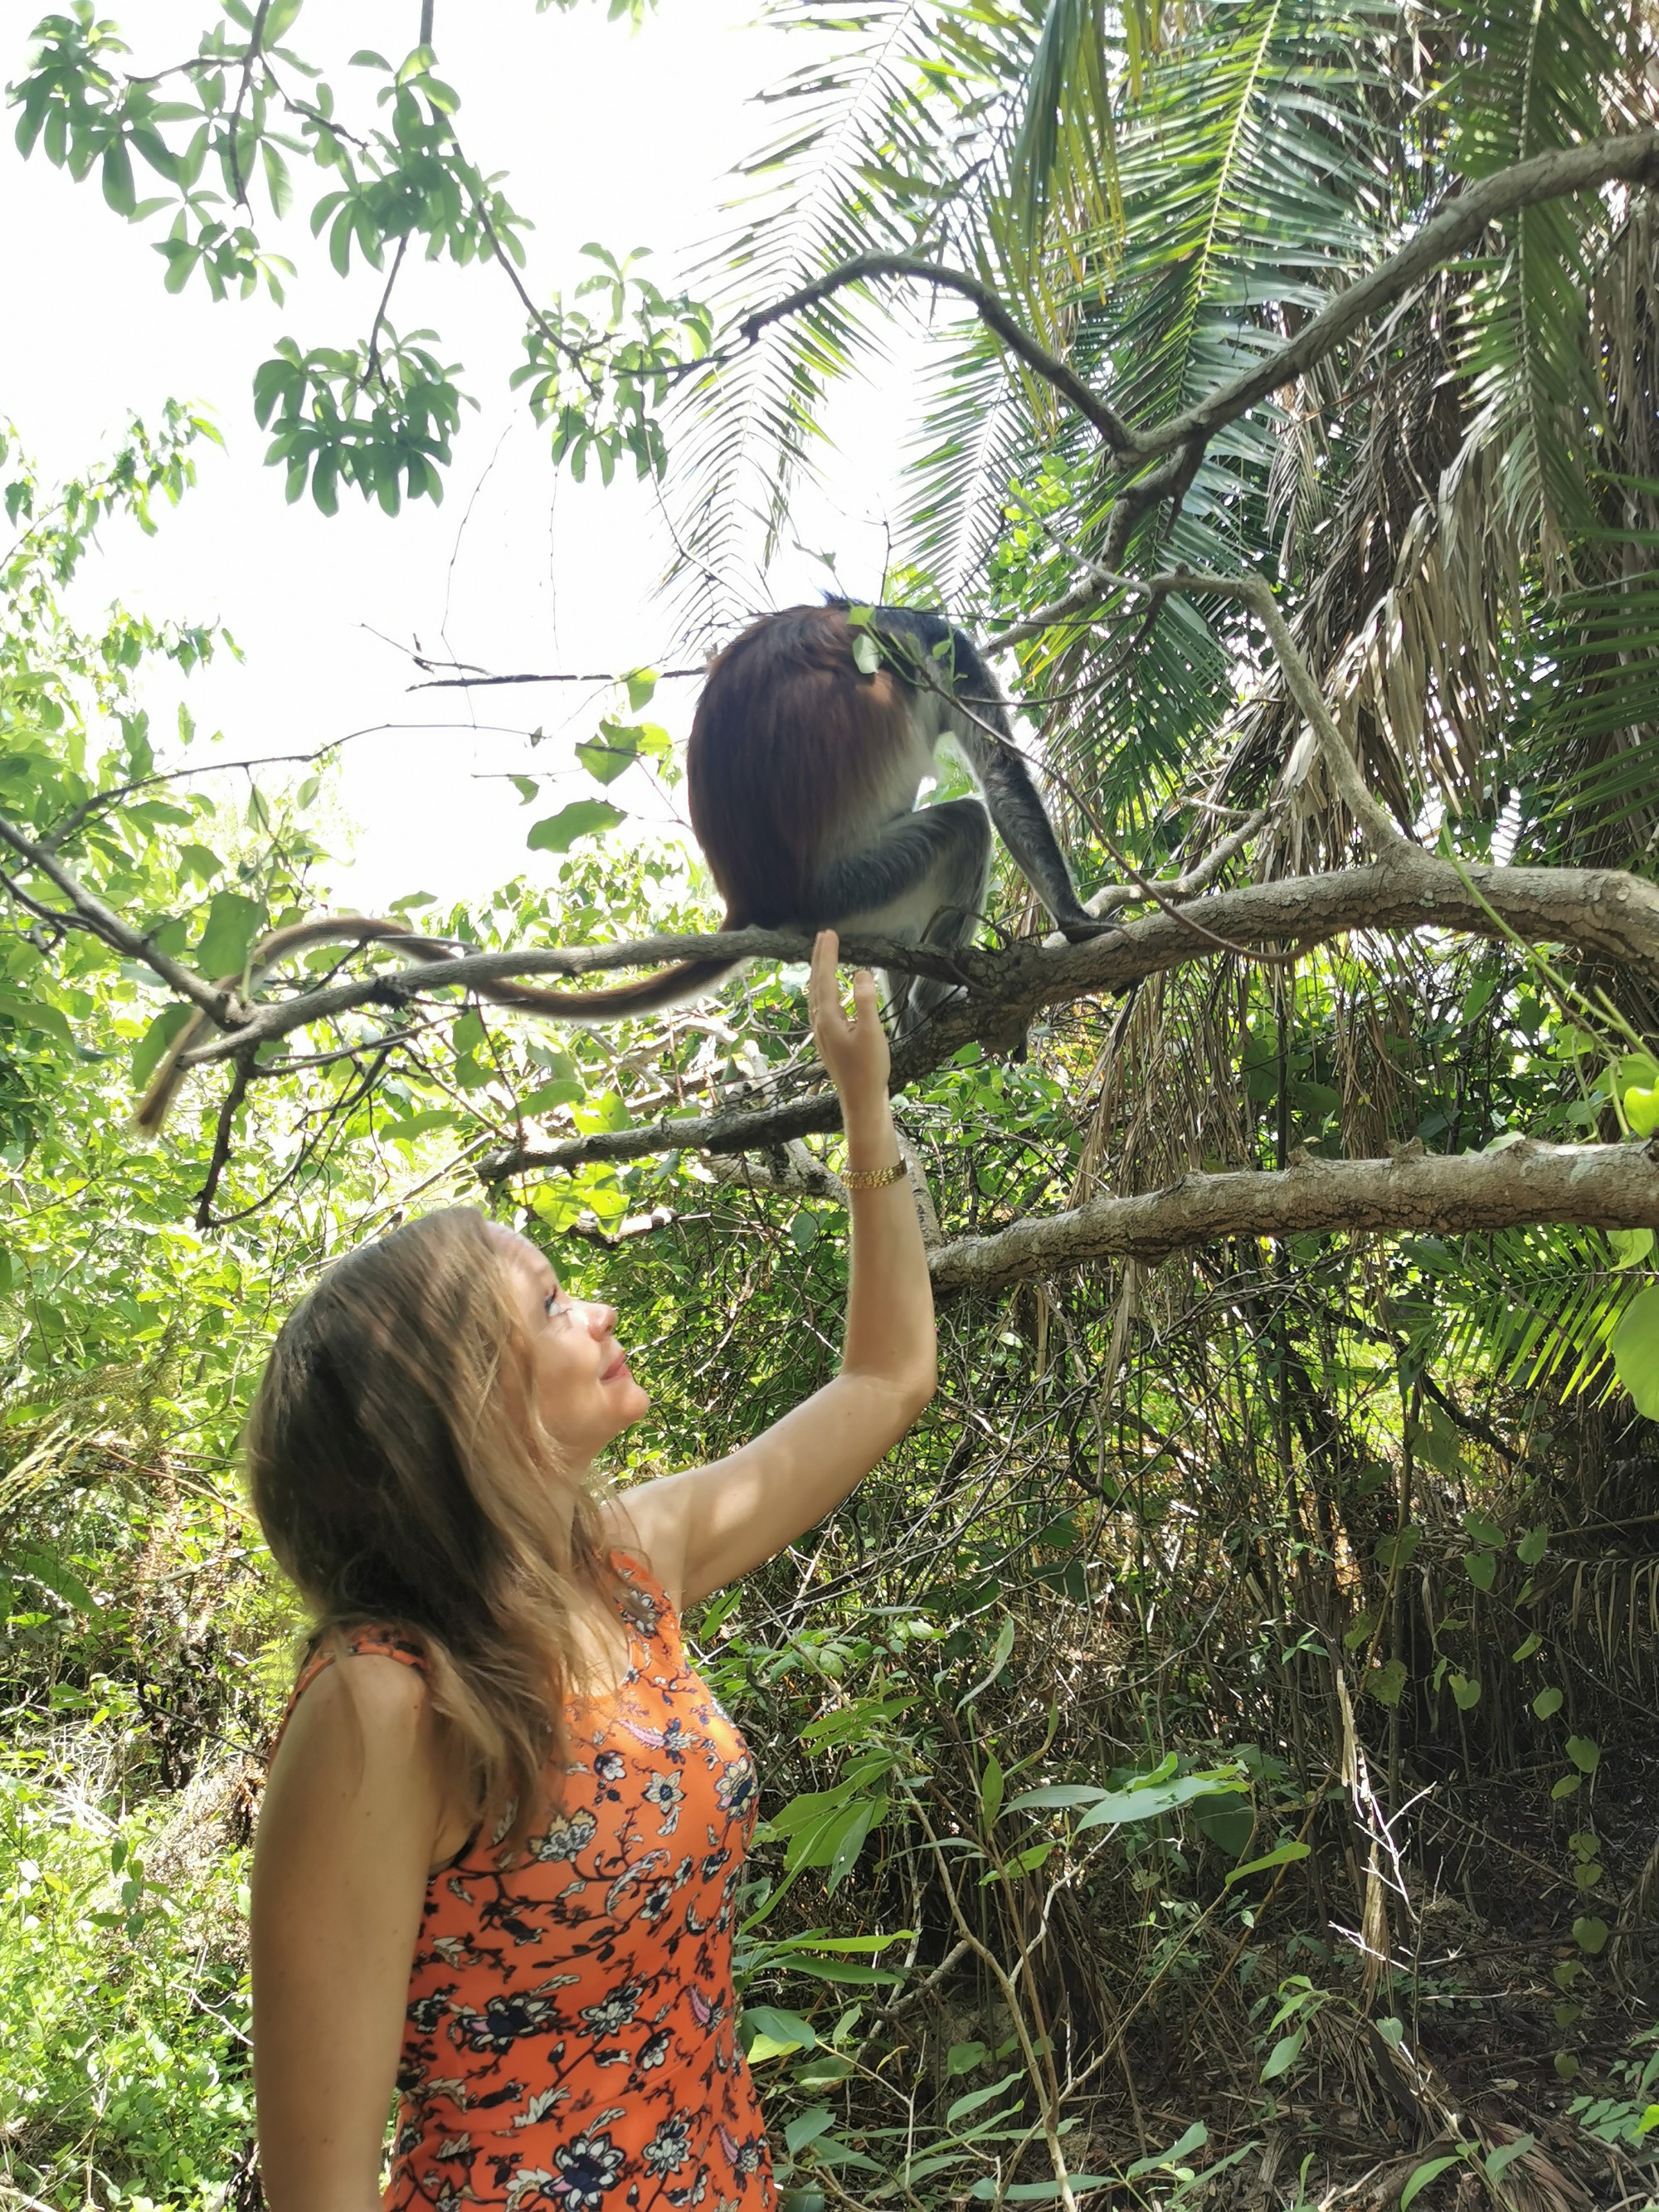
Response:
column 665, row 988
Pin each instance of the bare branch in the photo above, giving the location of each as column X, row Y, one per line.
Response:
column 482, row 682
column 991, row 310
column 1593, row 1186
column 93, row 915
column 1381, row 831
column 1194, row 880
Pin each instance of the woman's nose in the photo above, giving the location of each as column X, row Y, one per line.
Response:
column 601, row 1320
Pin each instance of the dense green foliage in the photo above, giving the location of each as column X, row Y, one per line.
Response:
column 1208, row 1763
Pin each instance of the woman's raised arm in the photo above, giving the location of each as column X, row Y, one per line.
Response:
column 707, row 1526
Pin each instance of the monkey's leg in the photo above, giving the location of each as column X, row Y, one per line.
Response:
column 1023, row 823
column 920, row 878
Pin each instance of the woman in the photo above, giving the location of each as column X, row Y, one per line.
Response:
column 501, row 1838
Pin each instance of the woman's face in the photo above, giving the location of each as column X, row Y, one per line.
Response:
column 585, row 1393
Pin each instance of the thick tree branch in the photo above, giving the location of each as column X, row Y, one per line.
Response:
column 1603, row 911
column 991, row 310
column 1600, row 911
column 1630, row 157
column 92, row 915
column 1594, row 1186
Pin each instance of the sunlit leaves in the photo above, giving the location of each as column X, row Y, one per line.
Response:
column 380, row 413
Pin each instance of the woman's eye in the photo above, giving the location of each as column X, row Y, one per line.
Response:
column 549, row 1305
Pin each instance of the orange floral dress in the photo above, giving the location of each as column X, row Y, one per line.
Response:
column 569, row 2045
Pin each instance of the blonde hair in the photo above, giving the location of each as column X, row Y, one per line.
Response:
column 402, row 1476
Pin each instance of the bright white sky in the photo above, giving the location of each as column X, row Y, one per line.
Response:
column 605, row 135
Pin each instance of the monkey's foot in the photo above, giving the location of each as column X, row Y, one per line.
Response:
column 1083, row 927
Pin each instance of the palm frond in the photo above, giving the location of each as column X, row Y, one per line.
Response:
column 1532, row 79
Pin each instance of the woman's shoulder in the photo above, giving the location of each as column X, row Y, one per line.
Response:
column 371, row 1677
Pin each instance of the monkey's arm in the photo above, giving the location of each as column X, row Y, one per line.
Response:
column 704, row 1528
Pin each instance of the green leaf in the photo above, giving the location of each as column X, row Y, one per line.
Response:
column 1590, row 1935
column 612, row 753
column 1525, row 1650
column 1422, row 2176
column 1547, row 1703
column 991, row 1787
column 806, row 2127
column 1635, row 1348
column 37, row 1014
column 641, row 683
column 1116, row 1808
column 1630, row 1246
column 848, row 1973
column 1284, row 1855
column 548, row 1095
column 851, row 1841
column 999, row 1657
column 976, row 2099
column 1584, row 1753
column 867, row 653
column 963, row 2058
column 1466, row 1689
column 1385, row 1683
column 147, row 1053
column 583, row 817
column 47, row 1569
column 1284, row 2054
column 1642, row 1111
column 118, row 177
column 772, row 2033
column 233, row 923
column 804, row 1231
column 1228, row 1819
column 1482, row 1568
column 1024, row 1862
column 1532, row 1547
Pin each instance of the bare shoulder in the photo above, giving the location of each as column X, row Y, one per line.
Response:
column 366, row 1702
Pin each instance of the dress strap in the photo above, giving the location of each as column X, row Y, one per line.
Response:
column 376, row 1640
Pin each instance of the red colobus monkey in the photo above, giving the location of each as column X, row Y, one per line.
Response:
column 804, row 770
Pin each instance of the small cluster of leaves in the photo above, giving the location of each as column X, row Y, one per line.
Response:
column 644, row 344
column 379, row 414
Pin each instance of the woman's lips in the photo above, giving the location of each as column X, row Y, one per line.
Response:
column 618, row 1367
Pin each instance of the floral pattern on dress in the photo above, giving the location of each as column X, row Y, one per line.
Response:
column 569, row 2044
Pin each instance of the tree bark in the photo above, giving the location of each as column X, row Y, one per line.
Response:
column 1594, row 1186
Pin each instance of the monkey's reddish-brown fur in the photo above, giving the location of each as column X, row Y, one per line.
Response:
column 795, row 753
column 789, row 737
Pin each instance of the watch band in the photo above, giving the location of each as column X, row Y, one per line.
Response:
column 873, row 1178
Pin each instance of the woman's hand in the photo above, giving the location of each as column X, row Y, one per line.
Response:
column 853, row 1048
